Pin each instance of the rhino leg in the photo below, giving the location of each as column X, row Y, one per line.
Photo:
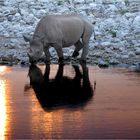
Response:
column 78, row 47
column 78, row 74
column 59, row 51
column 84, row 53
column 85, row 39
column 47, row 54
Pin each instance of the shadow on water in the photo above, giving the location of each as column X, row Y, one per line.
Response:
column 61, row 91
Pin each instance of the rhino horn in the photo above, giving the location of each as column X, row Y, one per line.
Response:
column 27, row 38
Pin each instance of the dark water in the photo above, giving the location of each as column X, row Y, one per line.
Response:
column 100, row 103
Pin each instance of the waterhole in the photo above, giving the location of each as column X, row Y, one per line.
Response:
column 69, row 102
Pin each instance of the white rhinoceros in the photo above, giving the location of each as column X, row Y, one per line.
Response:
column 60, row 31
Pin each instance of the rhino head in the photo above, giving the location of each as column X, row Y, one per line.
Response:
column 35, row 50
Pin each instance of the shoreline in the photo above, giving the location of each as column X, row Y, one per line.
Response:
column 68, row 61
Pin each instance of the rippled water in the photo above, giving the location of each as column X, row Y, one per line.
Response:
column 100, row 103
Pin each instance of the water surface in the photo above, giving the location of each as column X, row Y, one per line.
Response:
column 35, row 107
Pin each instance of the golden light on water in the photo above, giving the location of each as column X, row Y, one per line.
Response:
column 2, row 69
column 49, row 128
column 2, row 108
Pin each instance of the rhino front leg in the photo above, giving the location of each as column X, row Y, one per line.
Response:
column 78, row 47
column 47, row 54
column 59, row 51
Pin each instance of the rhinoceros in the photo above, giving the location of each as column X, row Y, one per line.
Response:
column 60, row 31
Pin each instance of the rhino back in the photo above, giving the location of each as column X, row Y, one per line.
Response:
column 65, row 28
column 72, row 29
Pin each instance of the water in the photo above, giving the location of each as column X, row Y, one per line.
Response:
column 101, row 103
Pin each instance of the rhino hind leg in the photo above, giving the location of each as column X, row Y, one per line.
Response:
column 78, row 47
column 85, row 39
column 84, row 52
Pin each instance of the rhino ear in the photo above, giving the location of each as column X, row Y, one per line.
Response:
column 27, row 38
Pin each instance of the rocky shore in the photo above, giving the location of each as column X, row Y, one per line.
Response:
column 116, row 26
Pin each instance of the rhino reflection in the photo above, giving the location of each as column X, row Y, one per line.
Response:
column 62, row 91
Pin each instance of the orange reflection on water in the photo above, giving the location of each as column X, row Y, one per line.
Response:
column 4, row 89
column 3, row 116
column 53, row 124
column 4, row 70
column 47, row 123
column 49, row 130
